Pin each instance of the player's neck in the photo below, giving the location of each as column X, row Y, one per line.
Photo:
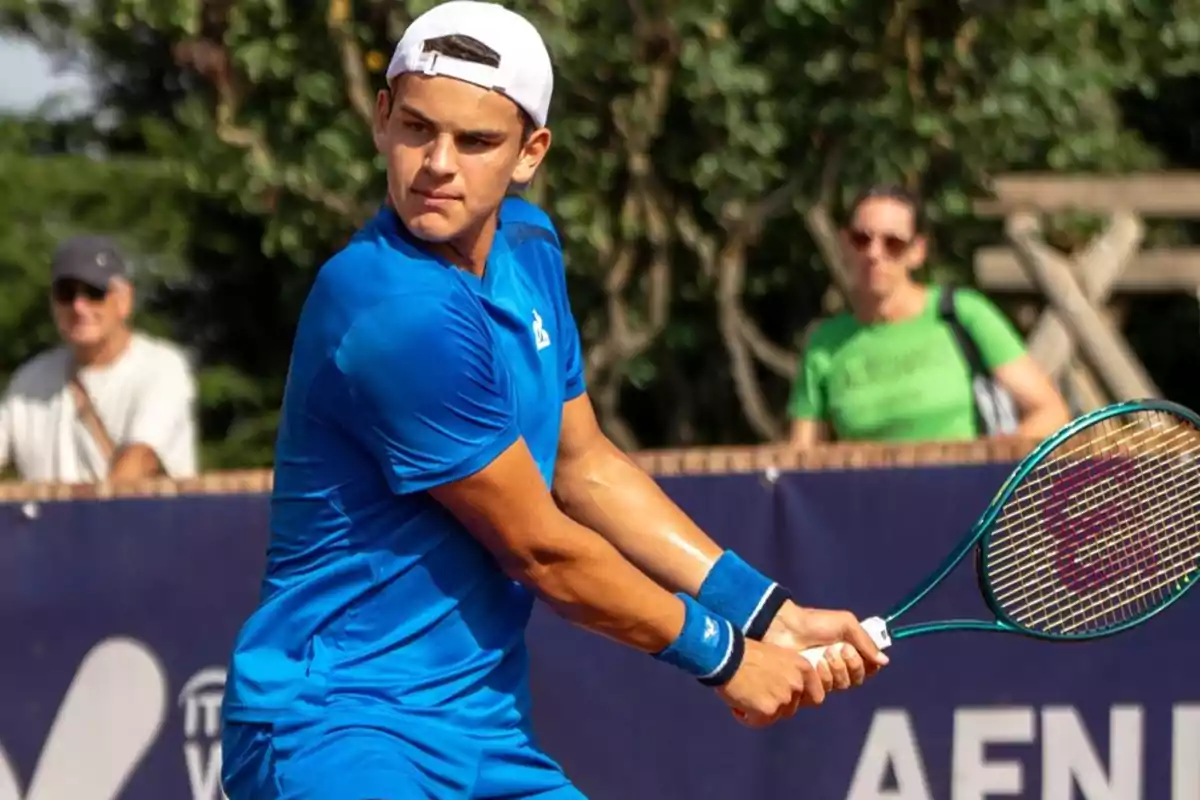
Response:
column 470, row 250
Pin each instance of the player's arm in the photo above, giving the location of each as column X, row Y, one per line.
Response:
column 599, row 486
column 579, row 574
column 433, row 401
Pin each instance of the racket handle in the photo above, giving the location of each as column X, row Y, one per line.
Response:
column 875, row 627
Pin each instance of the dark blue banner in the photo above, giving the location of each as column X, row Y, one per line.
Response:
column 117, row 617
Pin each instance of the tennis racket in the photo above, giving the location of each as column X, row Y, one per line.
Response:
column 1095, row 531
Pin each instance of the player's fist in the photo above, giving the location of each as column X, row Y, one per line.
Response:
column 801, row 628
column 771, row 684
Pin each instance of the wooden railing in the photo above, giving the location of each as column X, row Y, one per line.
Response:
column 1078, row 335
column 661, row 463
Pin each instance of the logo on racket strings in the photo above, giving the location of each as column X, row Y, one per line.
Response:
column 1100, row 539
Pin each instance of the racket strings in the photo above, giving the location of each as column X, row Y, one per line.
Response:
column 1104, row 531
column 1126, row 585
column 1134, row 592
column 1134, row 584
column 1031, row 555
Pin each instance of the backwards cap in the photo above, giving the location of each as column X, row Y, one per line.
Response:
column 524, row 75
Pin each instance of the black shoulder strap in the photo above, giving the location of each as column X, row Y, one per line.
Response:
column 965, row 343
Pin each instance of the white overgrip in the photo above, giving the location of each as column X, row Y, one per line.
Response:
column 875, row 627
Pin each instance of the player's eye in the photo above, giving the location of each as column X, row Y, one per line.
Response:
column 468, row 141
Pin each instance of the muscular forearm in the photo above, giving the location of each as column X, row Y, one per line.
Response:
column 586, row 581
column 606, row 492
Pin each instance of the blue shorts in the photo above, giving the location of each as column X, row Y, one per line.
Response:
column 396, row 759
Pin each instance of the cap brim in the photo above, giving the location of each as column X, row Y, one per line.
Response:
column 94, row 281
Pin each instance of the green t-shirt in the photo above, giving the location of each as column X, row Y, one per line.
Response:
column 900, row 381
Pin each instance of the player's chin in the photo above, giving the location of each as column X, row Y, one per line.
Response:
column 434, row 226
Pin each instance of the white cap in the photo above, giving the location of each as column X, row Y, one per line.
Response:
column 525, row 75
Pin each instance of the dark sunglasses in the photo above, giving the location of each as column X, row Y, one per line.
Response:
column 893, row 245
column 65, row 292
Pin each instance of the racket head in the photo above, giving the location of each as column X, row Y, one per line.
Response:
column 1098, row 529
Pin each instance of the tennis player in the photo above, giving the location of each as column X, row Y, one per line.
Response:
column 434, row 397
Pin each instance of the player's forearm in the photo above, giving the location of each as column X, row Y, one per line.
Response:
column 607, row 492
column 603, row 489
column 586, row 581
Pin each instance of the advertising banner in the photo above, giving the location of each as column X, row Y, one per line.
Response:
column 117, row 618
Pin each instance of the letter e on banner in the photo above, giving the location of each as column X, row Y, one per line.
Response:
column 973, row 776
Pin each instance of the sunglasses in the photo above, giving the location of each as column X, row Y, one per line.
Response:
column 893, row 245
column 65, row 292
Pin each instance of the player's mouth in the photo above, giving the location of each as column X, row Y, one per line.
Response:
column 436, row 198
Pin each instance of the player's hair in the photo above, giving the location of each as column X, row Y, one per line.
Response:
column 467, row 48
column 890, row 191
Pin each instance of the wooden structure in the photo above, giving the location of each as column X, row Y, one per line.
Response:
column 1077, row 338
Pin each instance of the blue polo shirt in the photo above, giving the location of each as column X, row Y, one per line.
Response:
column 406, row 373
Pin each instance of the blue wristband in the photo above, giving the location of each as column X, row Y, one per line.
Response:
column 708, row 648
column 742, row 595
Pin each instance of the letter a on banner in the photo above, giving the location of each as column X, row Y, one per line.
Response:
column 891, row 746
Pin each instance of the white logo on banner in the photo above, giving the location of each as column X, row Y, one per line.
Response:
column 200, row 700
column 1071, row 767
column 110, row 716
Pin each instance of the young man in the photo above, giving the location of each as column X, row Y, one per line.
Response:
column 435, row 395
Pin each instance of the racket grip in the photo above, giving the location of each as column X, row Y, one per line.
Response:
column 875, row 627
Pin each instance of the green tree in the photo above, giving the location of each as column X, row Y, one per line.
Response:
column 690, row 138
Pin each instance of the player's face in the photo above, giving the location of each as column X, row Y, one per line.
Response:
column 453, row 149
column 883, row 246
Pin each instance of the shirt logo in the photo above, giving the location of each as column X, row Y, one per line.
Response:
column 539, row 332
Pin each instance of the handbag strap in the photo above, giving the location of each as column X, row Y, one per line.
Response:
column 947, row 312
column 966, row 345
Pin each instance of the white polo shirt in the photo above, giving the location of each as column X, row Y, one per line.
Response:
column 146, row 396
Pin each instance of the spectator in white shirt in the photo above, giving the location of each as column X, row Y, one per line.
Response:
column 109, row 404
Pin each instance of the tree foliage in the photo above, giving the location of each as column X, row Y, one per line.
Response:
column 690, row 138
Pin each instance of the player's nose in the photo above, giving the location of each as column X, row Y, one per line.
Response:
column 441, row 158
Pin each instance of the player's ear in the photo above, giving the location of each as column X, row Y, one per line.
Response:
column 533, row 151
column 379, row 122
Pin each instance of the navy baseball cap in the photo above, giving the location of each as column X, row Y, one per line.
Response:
column 94, row 260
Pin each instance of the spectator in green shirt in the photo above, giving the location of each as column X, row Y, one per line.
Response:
column 892, row 371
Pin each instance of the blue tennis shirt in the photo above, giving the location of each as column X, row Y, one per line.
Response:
column 406, row 373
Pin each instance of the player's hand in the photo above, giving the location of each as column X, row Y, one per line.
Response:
column 801, row 628
column 771, row 684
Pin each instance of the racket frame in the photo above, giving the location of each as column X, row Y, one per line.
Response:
column 977, row 539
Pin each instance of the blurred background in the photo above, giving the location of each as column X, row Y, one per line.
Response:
column 225, row 146
column 706, row 158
